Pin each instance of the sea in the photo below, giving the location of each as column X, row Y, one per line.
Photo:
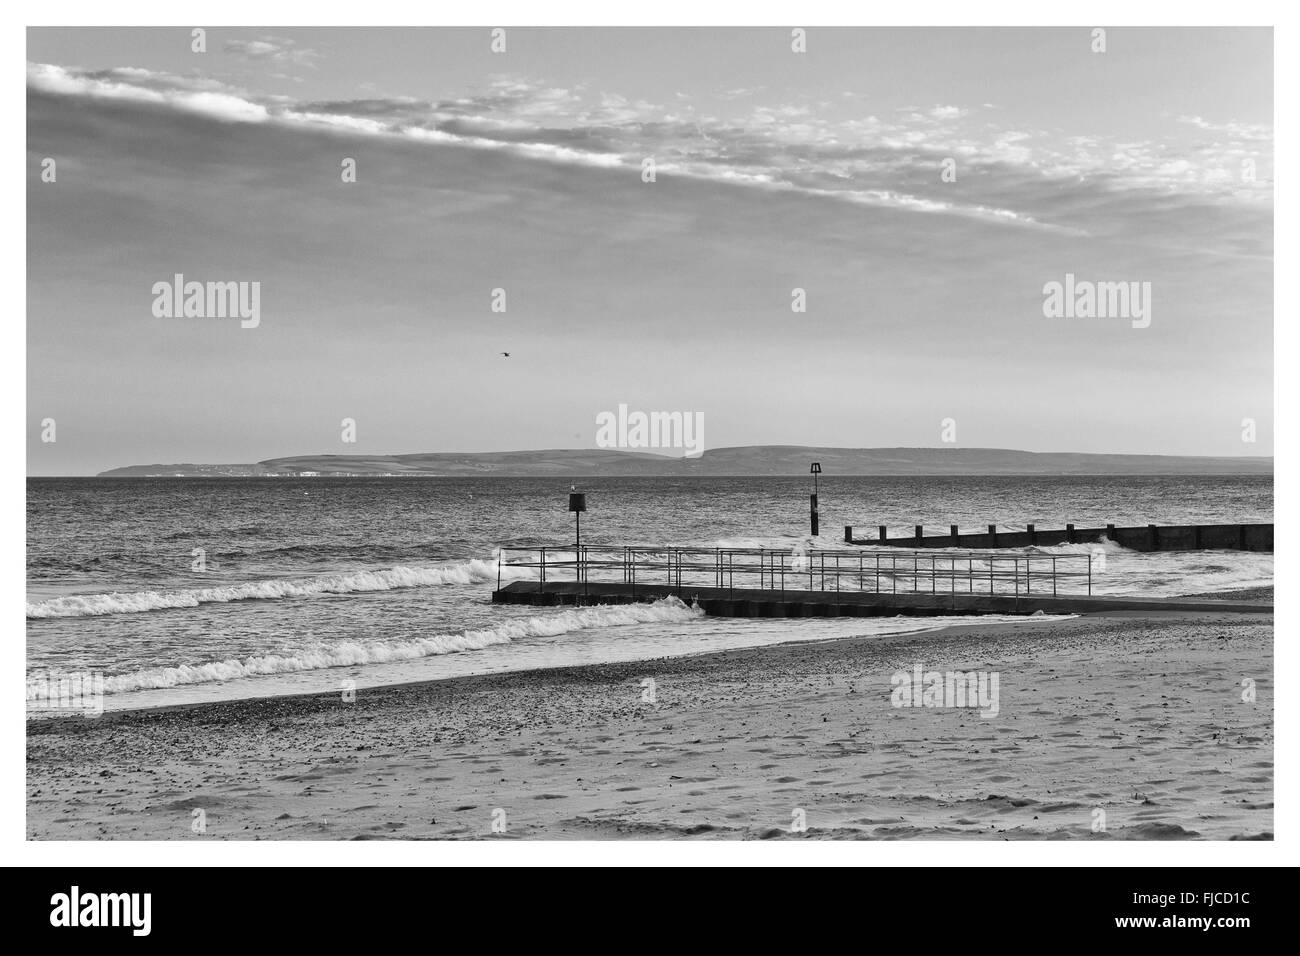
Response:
column 179, row 590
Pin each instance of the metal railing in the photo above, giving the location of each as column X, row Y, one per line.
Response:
column 885, row 572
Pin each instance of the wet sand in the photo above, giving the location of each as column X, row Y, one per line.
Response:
column 1107, row 727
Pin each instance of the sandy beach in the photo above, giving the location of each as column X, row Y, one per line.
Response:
column 1107, row 727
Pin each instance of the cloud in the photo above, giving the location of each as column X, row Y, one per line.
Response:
column 1242, row 131
column 272, row 49
column 1040, row 179
column 738, row 93
column 189, row 94
column 946, row 112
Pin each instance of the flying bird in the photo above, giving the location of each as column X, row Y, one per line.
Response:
column 506, row 354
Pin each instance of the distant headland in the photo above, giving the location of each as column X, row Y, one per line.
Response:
column 748, row 460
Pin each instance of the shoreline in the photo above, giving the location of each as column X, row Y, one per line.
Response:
column 436, row 759
column 1252, row 594
column 43, row 716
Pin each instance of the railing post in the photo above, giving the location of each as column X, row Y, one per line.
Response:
column 772, row 576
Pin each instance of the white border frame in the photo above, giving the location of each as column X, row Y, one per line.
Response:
column 811, row 13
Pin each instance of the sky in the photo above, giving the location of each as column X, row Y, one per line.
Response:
column 921, row 186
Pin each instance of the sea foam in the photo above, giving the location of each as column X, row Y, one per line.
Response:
column 343, row 653
column 474, row 571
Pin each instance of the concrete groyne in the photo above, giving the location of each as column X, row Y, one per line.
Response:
column 765, row 602
column 1197, row 537
column 746, row 582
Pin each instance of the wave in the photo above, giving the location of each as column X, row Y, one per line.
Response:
column 1083, row 547
column 779, row 543
column 474, row 571
column 345, row 653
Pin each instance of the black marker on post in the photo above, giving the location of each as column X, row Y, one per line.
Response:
column 577, row 504
column 815, row 471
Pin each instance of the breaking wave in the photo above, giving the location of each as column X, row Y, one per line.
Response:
column 474, row 571
column 1083, row 547
column 344, row 653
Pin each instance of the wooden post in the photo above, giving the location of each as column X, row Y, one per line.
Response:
column 812, row 505
column 1110, row 532
column 993, row 536
column 1069, row 533
column 1153, row 537
column 848, row 534
column 920, row 533
column 884, row 533
column 955, row 537
column 1033, row 538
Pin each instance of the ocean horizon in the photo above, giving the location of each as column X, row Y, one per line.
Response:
column 182, row 590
